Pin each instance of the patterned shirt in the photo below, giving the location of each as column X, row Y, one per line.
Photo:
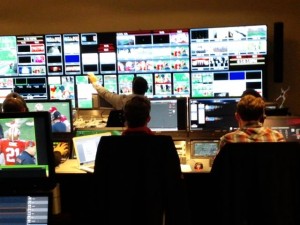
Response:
column 252, row 132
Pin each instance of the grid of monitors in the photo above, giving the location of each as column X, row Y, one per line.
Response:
column 197, row 62
column 212, row 114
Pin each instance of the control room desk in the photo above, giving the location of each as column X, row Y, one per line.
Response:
column 76, row 191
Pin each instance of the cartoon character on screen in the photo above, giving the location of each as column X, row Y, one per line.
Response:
column 12, row 145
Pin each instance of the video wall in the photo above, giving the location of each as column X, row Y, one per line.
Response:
column 197, row 63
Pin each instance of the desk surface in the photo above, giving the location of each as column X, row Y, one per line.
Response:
column 70, row 166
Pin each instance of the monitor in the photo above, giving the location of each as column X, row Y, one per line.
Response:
column 64, row 107
column 289, row 126
column 168, row 114
column 212, row 114
column 204, row 148
column 26, row 208
column 23, row 135
column 202, row 154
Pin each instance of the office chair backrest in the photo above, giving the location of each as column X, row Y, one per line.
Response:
column 257, row 183
column 137, row 180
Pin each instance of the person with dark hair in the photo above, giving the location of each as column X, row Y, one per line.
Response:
column 139, row 87
column 137, row 116
column 251, row 91
column 249, row 114
column 14, row 102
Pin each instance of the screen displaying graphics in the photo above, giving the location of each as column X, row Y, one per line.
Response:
column 31, row 87
column 8, row 56
column 227, row 57
column 71, row 46
column 62, row 88
column 212, row 114
column 31, row 55
column 54, row 54
column 213, row 62
column 168, row 114
column 61, row 109
column 204, row 148
column 157, row 51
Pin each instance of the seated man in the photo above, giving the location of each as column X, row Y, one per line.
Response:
column 249, row 114
column 137, row 116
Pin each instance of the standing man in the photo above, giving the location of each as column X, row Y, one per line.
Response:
column 139, row 87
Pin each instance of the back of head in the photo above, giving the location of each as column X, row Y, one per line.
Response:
column 14, row 103
column 251, row 92
column 137, row 111
column 139, row 86
column 251, row 108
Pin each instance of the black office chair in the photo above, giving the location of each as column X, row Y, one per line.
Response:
column 138, row 180
column 257, row 183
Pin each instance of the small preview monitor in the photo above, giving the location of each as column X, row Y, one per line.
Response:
column 204, row 148
column 26, row 158
column 60, row 110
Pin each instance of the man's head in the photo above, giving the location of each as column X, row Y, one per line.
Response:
column 251, row 108
column 139, row 86
column 137, row 111
column 14, row 103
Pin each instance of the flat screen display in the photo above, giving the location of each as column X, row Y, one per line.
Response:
column 225, row 61
column 168, row 114
column 212, row 114
column 60, row 110
column 26, row 159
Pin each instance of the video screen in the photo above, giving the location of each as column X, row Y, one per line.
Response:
column 60, row 110
column 227, row 56
column 212, row 114
column 26, row 159
column 8, row 56
column 168, row 114
column 204, row 148
column 31, row 87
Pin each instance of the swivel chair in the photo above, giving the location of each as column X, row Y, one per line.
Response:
column 257, row 183
column 138, row 180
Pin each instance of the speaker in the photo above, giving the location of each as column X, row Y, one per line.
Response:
column 278, row 52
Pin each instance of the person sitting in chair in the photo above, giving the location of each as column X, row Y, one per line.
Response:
column 137, row 116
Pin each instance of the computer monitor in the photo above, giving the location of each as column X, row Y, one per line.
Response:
column 24, row 135
column 168, row 114
column 64, row 107
column 26, row 208
column 212, row 114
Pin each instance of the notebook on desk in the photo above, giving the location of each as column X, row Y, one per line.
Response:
column 85, row 148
